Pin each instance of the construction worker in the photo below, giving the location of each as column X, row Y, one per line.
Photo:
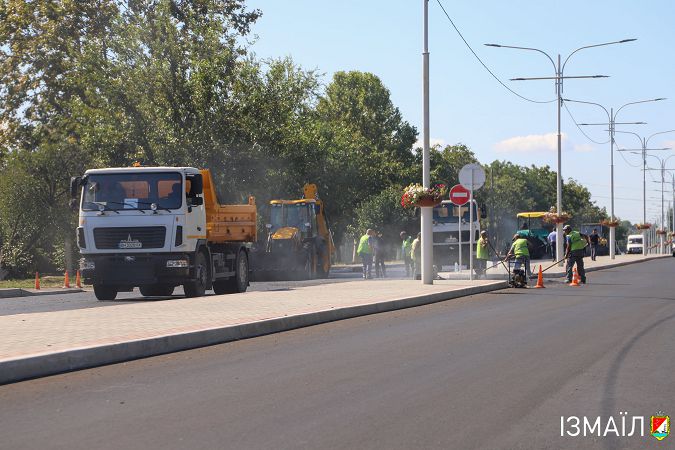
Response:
column 379, row 255
column 576, row 250
column 481, row 254
column 416, row 255
column 521, row 253
column 365, row 251
column 406, row 246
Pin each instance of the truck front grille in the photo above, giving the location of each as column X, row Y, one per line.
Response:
column 129, row 238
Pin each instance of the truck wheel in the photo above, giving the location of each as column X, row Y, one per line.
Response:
column 238, row 283
column 105, row 292
column 156, row 290
column 197, row 288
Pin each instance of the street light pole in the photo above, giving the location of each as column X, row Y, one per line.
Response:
column 662, row 170
column 427, row 212
column 559, row 77
column 611, row 123
column 643, row 150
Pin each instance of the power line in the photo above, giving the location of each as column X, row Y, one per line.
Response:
column 580, row 129
column 626, row 161
column 483, row 64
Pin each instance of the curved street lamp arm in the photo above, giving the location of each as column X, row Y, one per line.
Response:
column 591, row 46
column 590, row 103
column 635, row 103
column 634, row 134
column 660, row 132
column 527, row 48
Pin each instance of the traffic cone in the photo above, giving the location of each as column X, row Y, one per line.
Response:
column 37, row 280
column 78, row 280
column 575, row 278
column 540, row 279
column 66, row 280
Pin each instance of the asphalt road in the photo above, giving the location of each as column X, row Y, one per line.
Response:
column 490, row 371
column 83, row 300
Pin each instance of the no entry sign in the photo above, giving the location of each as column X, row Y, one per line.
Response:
column 459, row 195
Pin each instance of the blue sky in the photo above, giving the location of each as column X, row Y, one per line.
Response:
column 469, row 106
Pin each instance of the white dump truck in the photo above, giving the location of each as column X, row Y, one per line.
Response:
column 160, row 227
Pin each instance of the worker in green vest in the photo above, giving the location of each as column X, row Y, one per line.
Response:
column 365, row 252
column 481, row 254
column 406, row 247
column 521, row 254
column 576, row 250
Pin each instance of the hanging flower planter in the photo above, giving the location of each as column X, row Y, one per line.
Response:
column 416, row 195
column 552, row 216
column 643, row 226
column 610, row 223
column 661, row 232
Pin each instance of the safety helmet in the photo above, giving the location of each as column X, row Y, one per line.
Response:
column 567, row 228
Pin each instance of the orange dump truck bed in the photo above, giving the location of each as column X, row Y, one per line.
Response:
column 227, row 223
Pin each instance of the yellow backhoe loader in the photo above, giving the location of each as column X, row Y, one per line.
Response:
column 299, row 241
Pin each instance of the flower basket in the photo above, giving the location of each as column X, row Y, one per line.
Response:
column 556, row 218
column 427, row 201
column 610, row 223
column 416, row 195
column 643, row 226
column 552, row 216
column 661, row 232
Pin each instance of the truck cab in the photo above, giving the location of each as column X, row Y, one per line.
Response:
column 148, row 227
column 634, row 243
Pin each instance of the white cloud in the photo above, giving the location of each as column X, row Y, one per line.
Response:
column 583, row 148
column 529, row 143
column 432, row 143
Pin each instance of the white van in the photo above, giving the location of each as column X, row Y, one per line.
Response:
column 634, row 243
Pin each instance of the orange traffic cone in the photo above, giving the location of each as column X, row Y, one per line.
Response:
column 575, row 278
column 37, row 280
column 66, row 280
column 540, row 279
column 78, row 280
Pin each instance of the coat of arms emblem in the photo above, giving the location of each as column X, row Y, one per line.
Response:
column 660, row 426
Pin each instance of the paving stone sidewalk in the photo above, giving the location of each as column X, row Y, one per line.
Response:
column 38, row 344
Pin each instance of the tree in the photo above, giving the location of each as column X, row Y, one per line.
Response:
column 367, row 144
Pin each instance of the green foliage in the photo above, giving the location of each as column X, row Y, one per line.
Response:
column 383, row 212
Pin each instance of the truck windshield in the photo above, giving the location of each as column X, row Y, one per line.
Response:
column 447, row 213
column 635, row 240
column 117, row 191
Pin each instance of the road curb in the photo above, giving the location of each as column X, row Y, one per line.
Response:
column 82, row 358
column 608, row 266
column 18, row 292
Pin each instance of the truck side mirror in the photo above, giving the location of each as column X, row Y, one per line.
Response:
column 196, row 185
column 196, row 201
column 73, row 204
column 75, row 183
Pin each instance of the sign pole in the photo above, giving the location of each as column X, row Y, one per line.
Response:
column 471, row 229
column 459, row 228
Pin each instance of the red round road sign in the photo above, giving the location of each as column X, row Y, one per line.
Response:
column 459, row 195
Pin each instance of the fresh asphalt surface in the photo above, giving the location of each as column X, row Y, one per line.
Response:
column 494, row 370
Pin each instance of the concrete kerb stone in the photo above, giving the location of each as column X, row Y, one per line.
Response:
column 607, row 266
column 18, row 292
column 82, row 358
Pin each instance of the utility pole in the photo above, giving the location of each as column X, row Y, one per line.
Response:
column 427, row 212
